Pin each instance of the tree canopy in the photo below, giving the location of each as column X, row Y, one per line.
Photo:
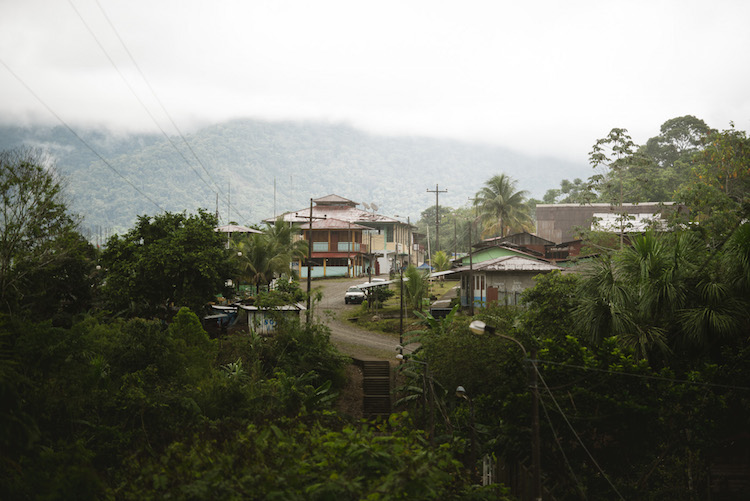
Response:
column 44, row 263
column 502, row 207
column 165, row 261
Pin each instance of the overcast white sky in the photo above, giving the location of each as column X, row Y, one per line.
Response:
column 541, row 77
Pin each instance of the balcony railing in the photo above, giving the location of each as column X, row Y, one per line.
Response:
column 341, row 247
column 352, row 247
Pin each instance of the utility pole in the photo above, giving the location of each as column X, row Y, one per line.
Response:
column 408, row 236
column 310, row 218
column 471, row 275
column 437, row 193
column 471, row 262
column 309, row 261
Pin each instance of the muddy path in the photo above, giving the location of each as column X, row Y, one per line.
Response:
column 348, row 338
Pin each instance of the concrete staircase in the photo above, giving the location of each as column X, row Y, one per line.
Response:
column 376, row 386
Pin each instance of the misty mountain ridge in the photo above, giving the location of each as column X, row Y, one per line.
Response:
column 242, row 161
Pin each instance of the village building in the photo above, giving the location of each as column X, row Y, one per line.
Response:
column 560, row 223
column 349, row 241
column 501, row 279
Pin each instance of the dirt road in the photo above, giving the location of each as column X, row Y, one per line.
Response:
column 349, row 339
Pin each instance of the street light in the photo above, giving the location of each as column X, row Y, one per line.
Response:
column 479, row 327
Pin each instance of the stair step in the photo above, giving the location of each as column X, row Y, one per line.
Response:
column 376, row 405
column 376, row 386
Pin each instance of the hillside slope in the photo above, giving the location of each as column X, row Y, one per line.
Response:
column 242, row 160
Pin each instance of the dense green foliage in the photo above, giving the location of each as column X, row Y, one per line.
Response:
column 502, row 207
column 261, row 257
column 641, row 360
column 45, row 266
column 81, row 406
column 415, row 287
column 165, row 261
column 612, row 423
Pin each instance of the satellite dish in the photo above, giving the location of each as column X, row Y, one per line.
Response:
column 374, row 207
column 366, row 205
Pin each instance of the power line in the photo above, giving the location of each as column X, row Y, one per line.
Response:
column 31, row 91
column 562, row 451
column 161, row 104
column 580, row 441
column 646, row 376
column 218, row 190
column 132, row 91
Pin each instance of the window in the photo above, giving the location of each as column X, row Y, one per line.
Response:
column 389, row 233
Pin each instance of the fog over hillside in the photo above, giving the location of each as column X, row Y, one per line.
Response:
column 237, row 164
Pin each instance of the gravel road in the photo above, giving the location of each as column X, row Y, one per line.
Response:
column 349, row 339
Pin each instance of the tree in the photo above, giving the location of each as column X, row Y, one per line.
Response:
column 679, row 138
column 717, row 192
column 66, row 286
column 415, row 286
column 619, row 174
column 165, row 261
column 282, row 234
column 570, row 192
column 501, row 206
column 666, row 296
column 37, row 233
column 441, row 261
column 426, row 225
column 671, row 152
column 263, row 257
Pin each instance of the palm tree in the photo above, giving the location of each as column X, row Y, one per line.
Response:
column 268, row 255
column 663, row 295
column 441, row 261
column 260, row 259
column 282, row 235
column 501, row 206
column 416, row 286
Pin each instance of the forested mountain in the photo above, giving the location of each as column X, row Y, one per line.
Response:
column 243, row 159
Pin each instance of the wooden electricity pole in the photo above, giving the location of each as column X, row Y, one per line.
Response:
column 437, row 193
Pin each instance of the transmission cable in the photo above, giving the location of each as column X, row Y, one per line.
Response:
column 140, row 101
column 31, row 91
column 164, row 109
column 646, row 376
column 153, row 93
column 580, row 441
column 562, row 451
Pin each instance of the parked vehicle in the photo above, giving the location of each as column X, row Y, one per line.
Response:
column 354, row 295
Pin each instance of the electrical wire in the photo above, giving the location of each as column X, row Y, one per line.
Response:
column 645, row 376
column 132, row 91
column 218, row 190
column 580, row 441
column 31, row 91
column 562, row 451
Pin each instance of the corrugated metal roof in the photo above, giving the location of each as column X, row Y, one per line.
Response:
column 236, row 228
column 512, row 263
column 283, row 307
column 330, row 223
column 328, row 199
column 342, row 212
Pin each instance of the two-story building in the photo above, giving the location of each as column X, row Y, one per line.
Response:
column 349, row 241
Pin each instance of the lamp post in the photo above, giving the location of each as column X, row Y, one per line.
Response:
column 461, row 393
column 479, row 327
